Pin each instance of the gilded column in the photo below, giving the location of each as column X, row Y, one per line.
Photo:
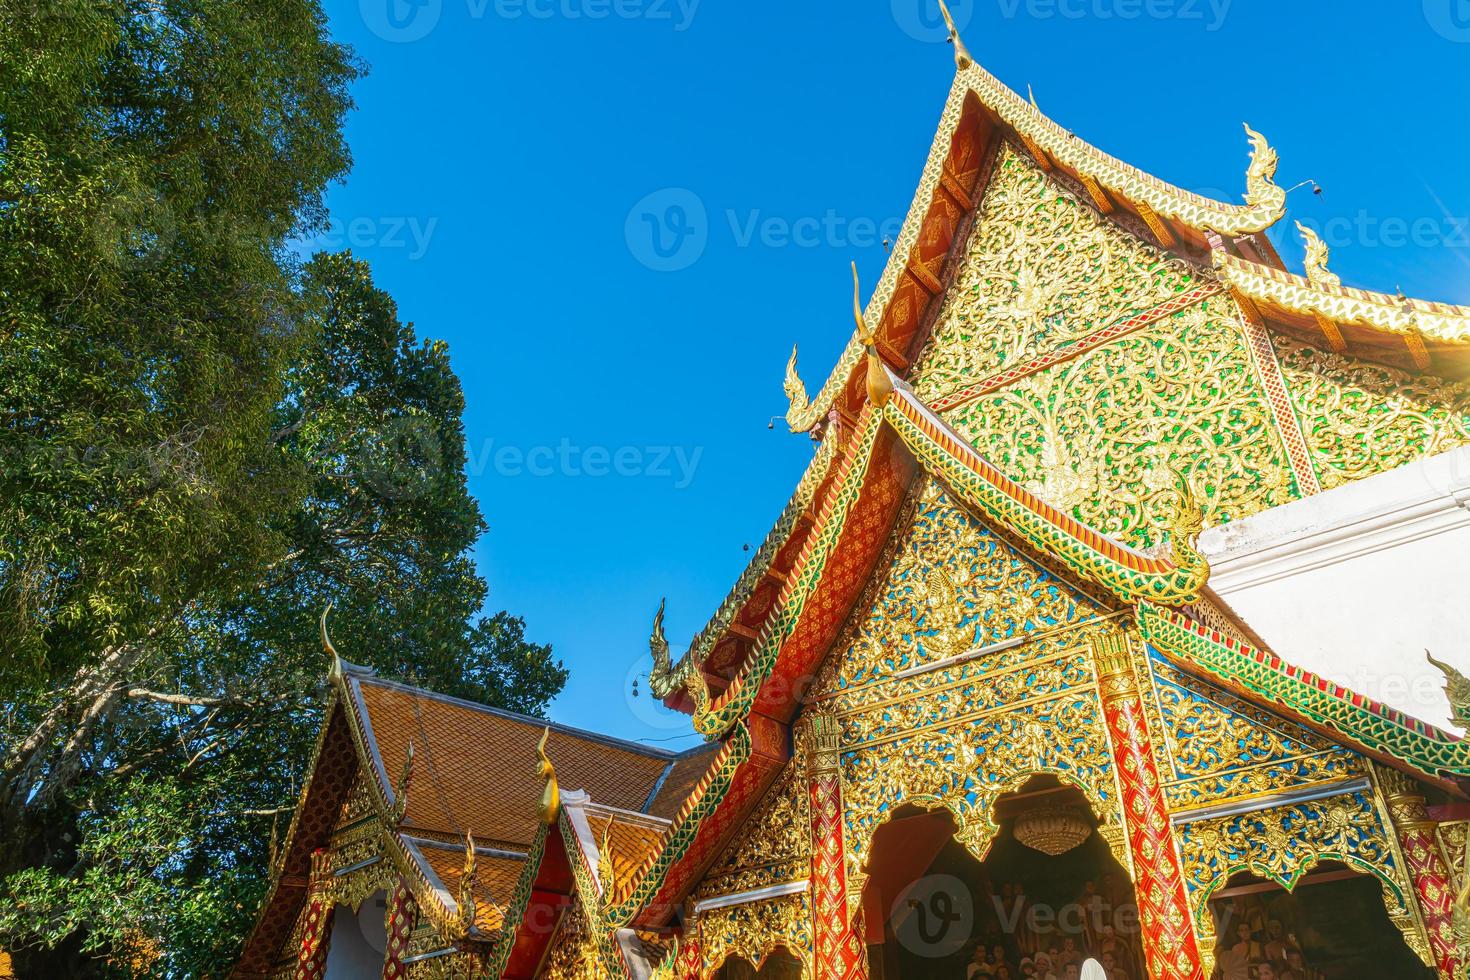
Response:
column 839, row 950
column 316, row 933
column 1163, row 905
column 1407, row 807
column 687, row 961
column 402, row 911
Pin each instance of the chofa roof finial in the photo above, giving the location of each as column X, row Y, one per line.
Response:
column 962, row 57
column 550, row 807
column 880, row 385
column 1316, row 262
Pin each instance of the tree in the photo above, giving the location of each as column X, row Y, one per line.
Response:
column 200, row 445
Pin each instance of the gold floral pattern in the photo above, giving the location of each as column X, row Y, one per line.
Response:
column 1361, row 419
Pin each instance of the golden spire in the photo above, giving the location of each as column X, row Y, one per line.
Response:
column 880, row 385
column 467, row 883
column 795, row 390
column 1316, row 261
column 962, row 57
column 1457, row 689
column 550, row 807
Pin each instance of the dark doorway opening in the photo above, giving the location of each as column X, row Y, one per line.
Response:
column 1332, row 927
column 780, row 965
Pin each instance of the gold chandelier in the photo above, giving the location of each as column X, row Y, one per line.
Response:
column 1051, row 829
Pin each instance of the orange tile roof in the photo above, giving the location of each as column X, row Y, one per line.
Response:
column 495, row 879
column 626, row 843
column 474, row 767
column 684, row 774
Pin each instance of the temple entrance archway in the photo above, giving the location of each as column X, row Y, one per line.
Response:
column 1050, row 893
column 359, row 937
column 780, row 965
column 1332, row 926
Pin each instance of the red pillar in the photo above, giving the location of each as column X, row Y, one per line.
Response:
column 316, row 934
column 402, row 911
column 837, row 934
column 687, row 964
column 1426, row 865
column 1163, row 905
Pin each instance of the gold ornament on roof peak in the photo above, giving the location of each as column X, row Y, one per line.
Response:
column 400, row 791
column 327, row 646
column 796, row 394
column 606, row 871
column 1316, row 261
column 1260, row 189
column 550, row 807
column 962, row 57
column 1184, row 531
column 1457, row 689
column 880, row 385
column 658, row 646
column 467, row 884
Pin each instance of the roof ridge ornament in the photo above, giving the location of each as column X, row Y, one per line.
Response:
column 467, row 881
column 1260, row 189
column 962, row 58
column 658, row 646
column 1316, row 261
column 796, row 395
column 880, row 384
column 550, row 807
column 1457, row 689
column 1184, row 530
column 400, row 792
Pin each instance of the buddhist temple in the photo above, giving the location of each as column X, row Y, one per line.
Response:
column 1091, row 643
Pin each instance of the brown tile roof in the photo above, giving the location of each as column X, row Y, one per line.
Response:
column 626, row 843
column 684, row 774
column 495, row 879
column 474, row 767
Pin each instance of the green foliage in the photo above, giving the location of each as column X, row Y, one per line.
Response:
column 200, row 446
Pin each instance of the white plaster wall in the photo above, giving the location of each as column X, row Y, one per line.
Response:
column 1356, row 583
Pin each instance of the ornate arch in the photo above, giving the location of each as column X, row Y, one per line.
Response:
column 1283, row 844
column 966, row 767
column 754, row 931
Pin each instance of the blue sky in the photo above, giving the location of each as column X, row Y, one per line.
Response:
column 515, row 158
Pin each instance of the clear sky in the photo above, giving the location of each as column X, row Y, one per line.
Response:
column 514, row 160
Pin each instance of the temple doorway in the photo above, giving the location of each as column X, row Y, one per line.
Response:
column 1048, row 896
column 1333, row 926
column 359, row 937
column 780, row 965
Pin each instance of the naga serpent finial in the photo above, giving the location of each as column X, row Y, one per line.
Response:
column 796, row 394
column 962, row 57
column 550, row 807
column 1184, row 531
column 1260, row 190
column 658, row 645
column 467, row 884
column 1316, row 262
column 880, row 385
column 1457, row 689
column 400, row 792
